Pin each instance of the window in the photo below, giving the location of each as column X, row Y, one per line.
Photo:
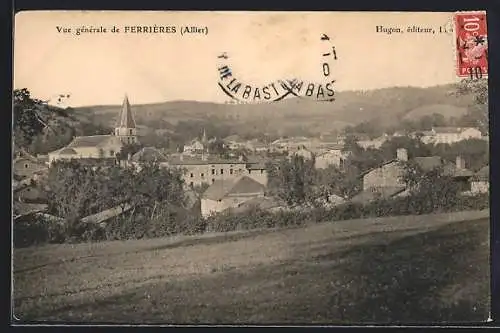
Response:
column 191, row 184
column 202, row 175
column 213, row 171
column 221, row 171
column 230, row 171
column 130, row 132
column 213, row 180
column 192, row 175
column 261, row 171
column 26, row 165
column 112, row 153
column 249, row 171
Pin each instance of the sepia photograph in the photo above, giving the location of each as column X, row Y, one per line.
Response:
column 250, row 168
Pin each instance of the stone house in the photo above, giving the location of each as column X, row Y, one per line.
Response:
column 480, row 182
column 302, row 151
column 208, row 169
column 450, row 135
column 230, row 193
column 149, row 154
column 374, row 143
column 386, row 181
column 28, row 167
column 334, row 156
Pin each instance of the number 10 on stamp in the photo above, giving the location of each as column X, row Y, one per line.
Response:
column 472, row 44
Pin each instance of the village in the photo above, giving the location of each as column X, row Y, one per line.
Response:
column 241, row 178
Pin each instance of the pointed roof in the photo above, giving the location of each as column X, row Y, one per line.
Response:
column 226, row 187
column 126, row 118
column 204, row 138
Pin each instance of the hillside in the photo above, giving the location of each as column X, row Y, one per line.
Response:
column 388, row 106
column 428, row 268
column 446, row 110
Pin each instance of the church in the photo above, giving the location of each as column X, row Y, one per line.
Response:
column 101, row 146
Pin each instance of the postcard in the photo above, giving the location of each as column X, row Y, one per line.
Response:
column 250, row 168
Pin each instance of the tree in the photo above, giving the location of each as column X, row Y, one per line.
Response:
column 35, row 124
column 478, row 112
column 431, row 190
column 292, row 180
column 128, row 149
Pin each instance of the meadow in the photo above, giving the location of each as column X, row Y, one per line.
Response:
column 402, row 269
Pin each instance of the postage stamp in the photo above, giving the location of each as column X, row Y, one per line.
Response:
column 472, row 44
column 188, row 167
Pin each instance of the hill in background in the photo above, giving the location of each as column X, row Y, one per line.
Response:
column 388, row 106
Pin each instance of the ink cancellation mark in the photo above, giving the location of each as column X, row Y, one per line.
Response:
column 278, row 90
column 471, row 44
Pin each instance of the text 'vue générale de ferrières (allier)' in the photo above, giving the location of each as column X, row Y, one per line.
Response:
column 134, row 29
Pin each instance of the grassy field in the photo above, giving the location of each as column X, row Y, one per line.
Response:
column 410, row 269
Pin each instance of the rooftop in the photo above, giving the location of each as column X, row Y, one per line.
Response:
column 225, row 187
column 90, row 141
column 196, row 160
column 483, row 174
column 149, row 154
column 126, row 118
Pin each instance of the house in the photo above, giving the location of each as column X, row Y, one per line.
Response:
column 28, row 167
column 196, row 147
column 450, row 135
column 290, row 144
column 386, row 181
column 303, row 152
column 148, row 155
column 234, row 142
column 101, row 146
column 256, row 146
column 334, row 156
column 480, row 182
column 229, row 193
column 207, row 169
column 400, row 133
column 258, row 171
column 374, row 143
column 30, row 194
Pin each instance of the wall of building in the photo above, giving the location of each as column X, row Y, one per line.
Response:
column 259, row 175
column 330, row 158
column 208, row 173
column 209, row 206
column 386, row 176
column 480, row 186
column 26, row 167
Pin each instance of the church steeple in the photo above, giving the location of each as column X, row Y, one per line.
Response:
column 204, row 138
column 125, row 124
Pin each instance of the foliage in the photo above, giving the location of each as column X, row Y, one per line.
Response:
column 31, row 117
column 78, row 190
column 292, row 180
column 128, row 149
column 478, row 113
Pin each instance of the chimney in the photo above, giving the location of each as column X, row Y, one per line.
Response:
column 460, row 163
column 402, row 154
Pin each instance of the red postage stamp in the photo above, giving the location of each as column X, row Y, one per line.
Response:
column 472, row 44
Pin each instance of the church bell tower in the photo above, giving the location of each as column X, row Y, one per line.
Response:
column 125, row 126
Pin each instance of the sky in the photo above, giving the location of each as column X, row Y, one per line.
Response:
column 100, row 68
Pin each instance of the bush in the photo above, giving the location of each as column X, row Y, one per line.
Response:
column 36, row 230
